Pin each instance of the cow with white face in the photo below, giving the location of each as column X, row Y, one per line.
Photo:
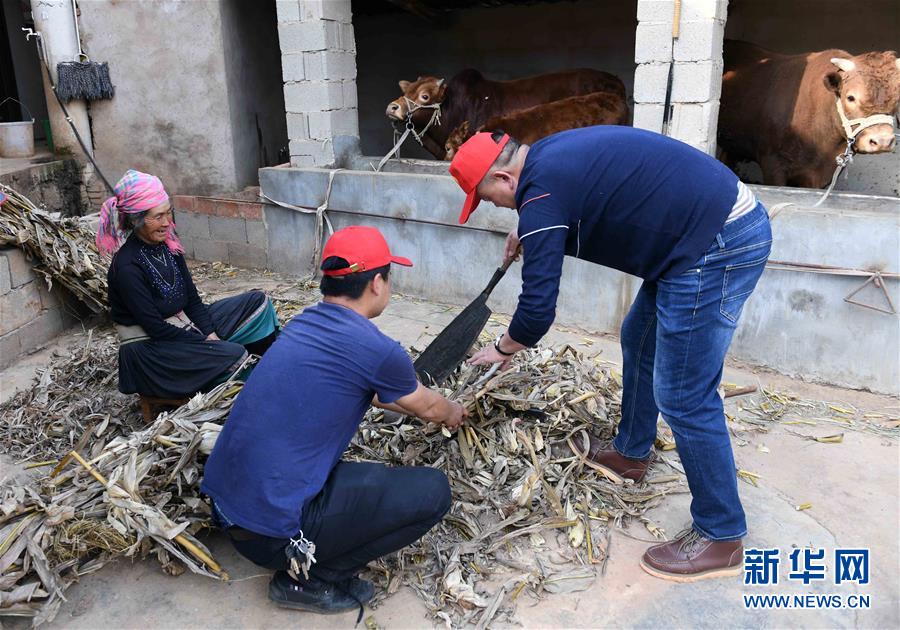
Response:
column 868, row 85
column 794, row 114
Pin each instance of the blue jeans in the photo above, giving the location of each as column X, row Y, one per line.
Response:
column 674, row 341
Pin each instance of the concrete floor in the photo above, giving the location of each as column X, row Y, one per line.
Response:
column 852, row 486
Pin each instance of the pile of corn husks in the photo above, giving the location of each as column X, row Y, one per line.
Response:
column 521, row 499
column 63, row 247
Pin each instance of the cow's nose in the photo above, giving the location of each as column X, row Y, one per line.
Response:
column 884, row 143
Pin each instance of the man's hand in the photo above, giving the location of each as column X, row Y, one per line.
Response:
column 512, row 250
column 488, row 355
column 428, row 405
column 213, row 337
column 457, row 417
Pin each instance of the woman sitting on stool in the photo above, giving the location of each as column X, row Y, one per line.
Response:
column 170, row 343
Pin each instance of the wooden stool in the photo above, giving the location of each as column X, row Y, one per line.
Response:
column 151, row 406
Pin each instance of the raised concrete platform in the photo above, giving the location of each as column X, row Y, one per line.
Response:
column 48, row 180
column 798, row 322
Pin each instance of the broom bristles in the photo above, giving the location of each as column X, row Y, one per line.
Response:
column 86, row 80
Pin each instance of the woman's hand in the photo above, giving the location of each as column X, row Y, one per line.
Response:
column 213, row 337
column 512, row 250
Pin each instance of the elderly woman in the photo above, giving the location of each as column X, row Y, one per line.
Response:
column 170, row 343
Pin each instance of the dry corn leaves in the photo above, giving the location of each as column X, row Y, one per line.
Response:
column 783, row 408
column 125, row 493
column 63, row 248
column 522, row 500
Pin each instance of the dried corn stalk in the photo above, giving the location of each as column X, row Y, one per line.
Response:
column 63, row 247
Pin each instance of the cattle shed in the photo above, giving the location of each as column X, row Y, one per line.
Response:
column 825, row 307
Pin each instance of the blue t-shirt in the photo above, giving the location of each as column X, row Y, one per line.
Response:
column 620, row 197
column 298, row 412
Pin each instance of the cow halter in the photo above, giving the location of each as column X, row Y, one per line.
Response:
column 411, row 106
column 854, row 127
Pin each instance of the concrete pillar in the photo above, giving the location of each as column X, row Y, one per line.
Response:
column 697, row 71
column 54, row 20
column 318, row 62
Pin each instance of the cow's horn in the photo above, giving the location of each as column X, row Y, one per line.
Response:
column 844, row 64
column 440, row 82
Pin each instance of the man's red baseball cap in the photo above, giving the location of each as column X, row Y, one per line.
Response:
column 471, row 163
column 361, row 246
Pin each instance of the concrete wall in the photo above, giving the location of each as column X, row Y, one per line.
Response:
column 503, row 42
column 30, row 315
column 190, row 78
column 170, row 115
column 253, row 78
column 797, row 323
column 695, row 60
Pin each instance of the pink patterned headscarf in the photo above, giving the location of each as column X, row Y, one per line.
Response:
column 135, row 192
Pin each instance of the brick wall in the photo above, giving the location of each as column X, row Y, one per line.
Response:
column 30, row 314
column 226, row 230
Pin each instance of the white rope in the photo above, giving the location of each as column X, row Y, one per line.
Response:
column 322, row 219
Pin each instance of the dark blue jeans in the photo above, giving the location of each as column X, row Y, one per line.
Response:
column 674, row 341
column 365, row 511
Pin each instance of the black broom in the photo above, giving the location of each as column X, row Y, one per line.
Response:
column 449, row 349
column 83, row 78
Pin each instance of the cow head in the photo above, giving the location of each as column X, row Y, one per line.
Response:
column 455, row 140
column 423, row 91
column 868, row 84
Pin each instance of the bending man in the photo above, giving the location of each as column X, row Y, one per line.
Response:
column 658, row 209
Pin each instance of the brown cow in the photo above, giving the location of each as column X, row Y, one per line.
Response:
column 470, row 96
column 531, row 124
column 781, row 110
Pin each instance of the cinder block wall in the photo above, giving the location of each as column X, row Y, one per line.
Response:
column 696, row 74
column 226, row 230
column 318, row 63
column 30, row 314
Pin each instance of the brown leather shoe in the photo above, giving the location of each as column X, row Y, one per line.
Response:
column 608, row 460
column 691, row 557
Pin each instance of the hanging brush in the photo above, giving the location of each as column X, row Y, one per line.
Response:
column 83, row 78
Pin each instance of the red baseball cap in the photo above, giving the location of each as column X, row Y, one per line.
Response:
column 471, row 163
column 361, row 246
